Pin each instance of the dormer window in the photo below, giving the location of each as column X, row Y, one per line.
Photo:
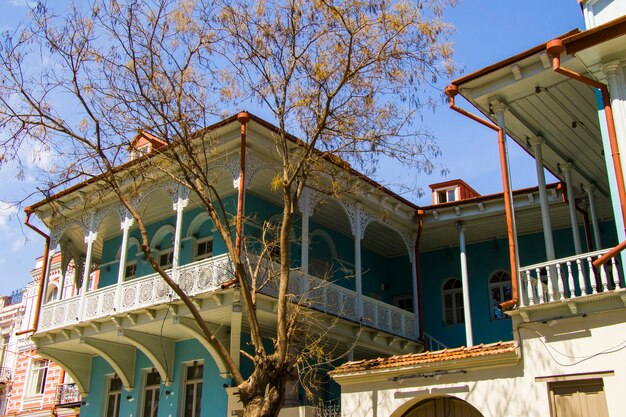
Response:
column 446, row 195
column 140, row 151
column 454, row 190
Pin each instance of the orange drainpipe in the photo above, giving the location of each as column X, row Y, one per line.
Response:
column 451, row 91
column 46, row 254
column 243, row 118
column 418, row 273
column 556, row 48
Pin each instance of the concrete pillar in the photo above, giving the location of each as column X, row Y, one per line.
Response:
column 357, row 263
column 465, row 282
column 536, row 143
column 572, row 207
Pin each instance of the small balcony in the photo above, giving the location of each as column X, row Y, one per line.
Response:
column 5, row 375
column 569, row 280
column 208, row 275
column 67, row 395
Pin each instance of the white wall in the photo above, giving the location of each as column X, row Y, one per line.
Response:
column 598, row 12
column 567, row 347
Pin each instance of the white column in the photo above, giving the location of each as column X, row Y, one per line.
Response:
column 465, row 282
column 61, row 281
column 47, row 277
column 121, row 273
column 89, row 239
column 416, row 307
column 179, row 206
column 612, row 71
column 536, row 142
column 357, row 263
column 572, row 207
column 594, row 215
column 304, row 255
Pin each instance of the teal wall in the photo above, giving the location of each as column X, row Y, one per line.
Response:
column 214, row 398
column 483, row 259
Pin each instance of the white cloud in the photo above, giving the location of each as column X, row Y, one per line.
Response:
column 7, row 211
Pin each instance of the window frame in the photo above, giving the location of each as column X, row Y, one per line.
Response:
column 404, row 298
column 446, row 192
column 456, row 293
column 206, row 255
column 500, row 286
column 169, row 252
column 117, row 396
column 34, row 386
column 130, row 264
column 197, row 383
column 154, row 389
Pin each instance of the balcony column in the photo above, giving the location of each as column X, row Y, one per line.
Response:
column 179, row 206
column 465, row 282
column 121, row 273
column 416, row 307
column 358, row 234
column 306, row 209
column 89, row 240
column 572, row 207
column 46, row 278
column 591, row 188
column 536, row 142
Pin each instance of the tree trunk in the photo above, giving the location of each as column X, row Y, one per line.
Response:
column 263, row 393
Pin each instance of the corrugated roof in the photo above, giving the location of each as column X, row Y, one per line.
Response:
column 412, row 359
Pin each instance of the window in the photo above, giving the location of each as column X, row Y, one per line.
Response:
column 404, row 302
column 453, row 302
column 37, row 377
column 582, row 398
column 204, row 249
column 320, row 268
column 193, row 390
column 131, row 270
column 446, row 195
column 151, row 394
column 113, row 397
column 54, row 292
column 499, row 291
column 166, row 258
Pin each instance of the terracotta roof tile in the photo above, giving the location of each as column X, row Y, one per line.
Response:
column 427, row 357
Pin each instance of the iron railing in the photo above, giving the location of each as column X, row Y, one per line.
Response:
column 5, row 374
column 330, row 408
column 14, row 298
column 66, row 394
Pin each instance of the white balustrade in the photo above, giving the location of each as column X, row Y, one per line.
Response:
column 208, row 275
column 568, row 278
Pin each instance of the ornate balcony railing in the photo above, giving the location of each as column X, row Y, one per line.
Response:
column 568, row 278
column 5, row 374
column 208, row 275
column 329, row 409
column 66, row 394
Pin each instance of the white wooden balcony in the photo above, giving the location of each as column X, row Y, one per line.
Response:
column 207, row 276
column 567, row 279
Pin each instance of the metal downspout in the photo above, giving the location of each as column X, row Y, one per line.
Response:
column 243, row 118
column 42, row 277
column 451, row 91
column 555, row 48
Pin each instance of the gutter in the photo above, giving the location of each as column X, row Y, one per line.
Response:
column 42, row 277
column 451, row 91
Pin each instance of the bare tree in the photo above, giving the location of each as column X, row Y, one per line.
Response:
column 347, row 77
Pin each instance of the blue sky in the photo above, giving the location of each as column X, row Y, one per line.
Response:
column 486, row 31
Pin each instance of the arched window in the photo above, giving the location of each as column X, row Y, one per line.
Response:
column 499, row 291
column 52, row 293
column 452, row 293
